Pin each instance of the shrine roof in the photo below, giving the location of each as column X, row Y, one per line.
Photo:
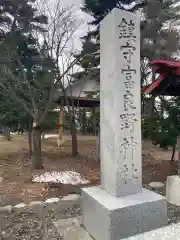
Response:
column 168, row 82
column 169, row 63
column 79, row 102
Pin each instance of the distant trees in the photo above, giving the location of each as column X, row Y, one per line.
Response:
column 98, row 9
column 29, row 69
column 37, row 57
column 159, row 39
column 58, row 45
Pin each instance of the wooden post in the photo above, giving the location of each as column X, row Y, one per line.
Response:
column 60, row 130
column 178, row 147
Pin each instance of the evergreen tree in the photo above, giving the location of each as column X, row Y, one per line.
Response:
column 19, row 16
column 167, row 127
column 159, row 39
column 98, row 9
column 25, row 75
column 30, row 68
column 156, row 40
column 10, row 111
column 89, row 56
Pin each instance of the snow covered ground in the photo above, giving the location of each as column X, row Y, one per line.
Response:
column 66, row 177
column 46, row 136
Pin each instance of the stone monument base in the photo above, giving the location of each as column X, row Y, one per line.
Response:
column 172, row 189
column 107, row 217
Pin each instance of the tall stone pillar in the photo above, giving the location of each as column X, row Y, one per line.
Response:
column 120, row 207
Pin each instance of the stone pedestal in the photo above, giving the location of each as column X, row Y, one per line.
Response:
column 106, row 217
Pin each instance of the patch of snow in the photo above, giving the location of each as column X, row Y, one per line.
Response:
column 156, row 185
column 71, row 197
column 52, row 200
column 66, row 177
column 46, row 136
column 20, row 205
column 14, row 133
column 35, row 203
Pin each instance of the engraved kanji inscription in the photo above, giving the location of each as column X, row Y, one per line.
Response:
column 128, row 81
column 129, row 84
column 128, row 145
column 127, row 121
column 128, row 47
column 128, row 55
column 128, row 71
column 134, row 172
column 124, row 174
column 127, row 52
column 129, row 100
column 126, row 30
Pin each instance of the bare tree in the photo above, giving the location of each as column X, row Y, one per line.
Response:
column 70, row 111
column 36, row 95
column 59, row 45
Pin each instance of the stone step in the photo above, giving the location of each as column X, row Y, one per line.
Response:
column 57, row 208
column 50, row 202
column 71, row 229
column 171, row 232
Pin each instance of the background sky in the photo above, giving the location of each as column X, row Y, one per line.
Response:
column 81, row 16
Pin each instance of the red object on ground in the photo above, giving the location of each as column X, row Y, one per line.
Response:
column 168, row 82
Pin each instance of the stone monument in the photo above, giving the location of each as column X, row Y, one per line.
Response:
column 120, row 207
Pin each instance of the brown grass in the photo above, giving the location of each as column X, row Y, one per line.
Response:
column 16, row 168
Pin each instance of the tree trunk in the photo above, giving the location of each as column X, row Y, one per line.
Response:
column 83, row 121
column 178, row 147
column 37, row 161
column 43, row 136
column 173, row 153
column 6, row 133
column 74, row 137
column 30, row 137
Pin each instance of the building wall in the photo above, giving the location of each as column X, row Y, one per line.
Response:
column 80, row 87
